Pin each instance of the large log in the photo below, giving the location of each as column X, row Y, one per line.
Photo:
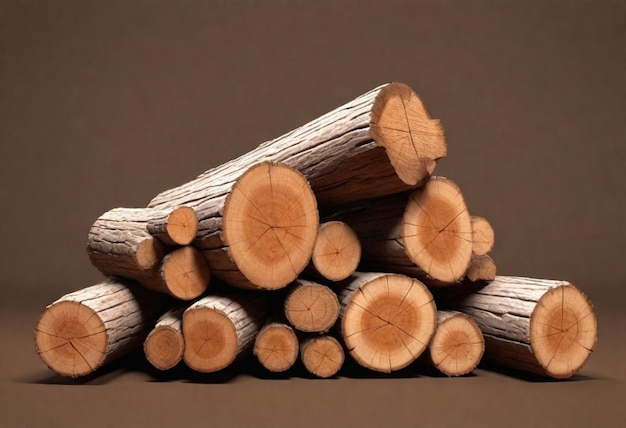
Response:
column 257, row 229
column 220, row 328
column 542, row 326
column 382, row 142
column 165, row 344
column 88, row 328
column 426, row 233
column 387, row 320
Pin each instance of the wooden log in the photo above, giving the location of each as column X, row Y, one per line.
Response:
column 311, row 307
column 337, row 252
column 483, row 236
column 457, row 345
column 387, row 320
column 220, row 328
column 183, row 274
column 276, row 346
column 165, row 344
column 481, row 268
column 542, row 326
column 88, row 328
column 258, row 230
column 380, row 143
column 322, row 356
column 179, row 227
column 119, row 243
column 425, row 234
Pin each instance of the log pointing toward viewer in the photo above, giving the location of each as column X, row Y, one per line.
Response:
column 337, row 252
column 276, row 346
column 165, row 344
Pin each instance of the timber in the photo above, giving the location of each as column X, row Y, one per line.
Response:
column 258, row 230
column 220, row 328
column 380, row 143
column 165, row 343
column 481, row 268
column 458, row 344
column 387, row 320
column 178, row 227
column 322, row 356
column 426, row 233
column 83, row 330
column 547, row 327
column 337, row 252
column 276, row 346
column 311, row 307
column 483, row 236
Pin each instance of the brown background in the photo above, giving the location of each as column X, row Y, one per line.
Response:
column 104, row 104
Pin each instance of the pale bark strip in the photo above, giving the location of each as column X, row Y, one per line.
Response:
column 220, row 328
column 88, row 328
column 543, row 326
column 380, row 143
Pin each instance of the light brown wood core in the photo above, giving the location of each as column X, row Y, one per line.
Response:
column 276, row 347
column 563, row 331
column 457, row 346
column 400, row 123
column 71, row 339
column 388, row 322
column 182, row 225
column 322, row 356
column 149, row 253
column 483, row 236
column 311, row 307
column 186, row 273
column 164, row 347
column 270, row 224
column 211, row 341
column 337, row 251
column 437, row 230
column 481, row 268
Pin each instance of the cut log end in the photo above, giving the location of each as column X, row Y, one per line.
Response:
column 276, row 347
column 437, row 230
column 182, row 225
column 149, row 253
column 210, row 340
column 389, row 322
column 337, row 251
column 481, row 268
column 186, row 273
column 312, row 307
column 164, row 347
column 71, row 339
column 414, row 142
column 483, row 236
column 270, row 224
column 322, row 356
column 563, row 331
column 457, row 346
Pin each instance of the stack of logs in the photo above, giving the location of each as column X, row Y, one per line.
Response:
column 332, row 241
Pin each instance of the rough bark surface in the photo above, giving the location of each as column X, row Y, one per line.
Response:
column 382, row 142
column 218, row 329
column 88, row 328
column 542, row 326
column 165, row 344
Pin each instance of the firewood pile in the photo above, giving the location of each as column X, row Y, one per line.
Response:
column 334, row 241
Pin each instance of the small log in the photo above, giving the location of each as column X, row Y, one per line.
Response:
column 380, row 143
column 542, row 326
column 483, row 236
column 322, row 356
column 119, row 243
column 88, row 328
column 258, row 230
column 458, row 344
column 183, row 274
column 481, row 268
column 387, row 320
column 179, row 227
column 276, row 347
column 311, row 307
column 165, row 344
column 425, row 234
column 220, row 328
column 337, row 252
